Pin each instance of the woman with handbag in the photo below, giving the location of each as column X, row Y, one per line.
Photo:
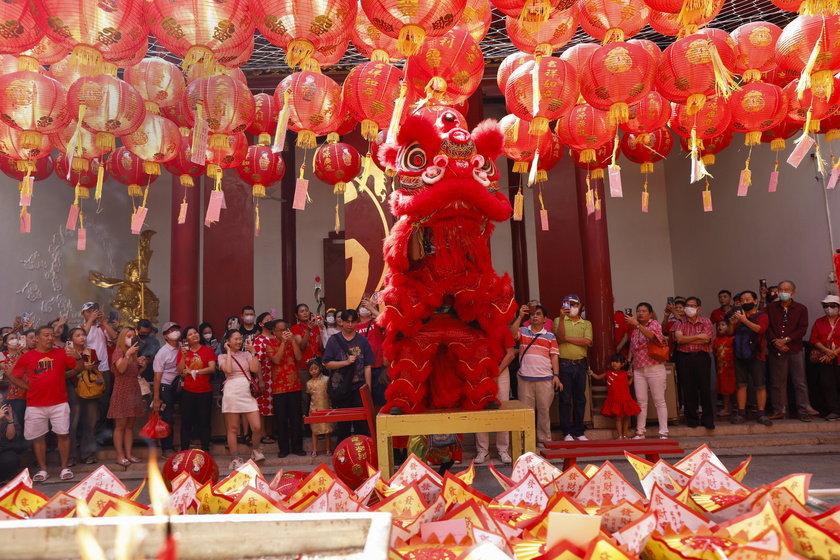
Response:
column 825, row 348
column 88, row 387
column 196, row 363
column 646, row 349
column 126, row 400
column 242, row 385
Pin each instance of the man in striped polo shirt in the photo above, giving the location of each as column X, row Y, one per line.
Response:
column 539, row 369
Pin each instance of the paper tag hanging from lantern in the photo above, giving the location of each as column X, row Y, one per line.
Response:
column 798, row 154
column 590, row 201
column 182, row 213
column 26, row 187
column 615, row 181
column 744, row 182
column 138, row 219
column 214, row 208
column 72, row 217
column 543, row 213
column 645, row 200
column 81, row 241
column 257, row 220
column 282, row 125
column 25, row 220
column 707, row 199
column 832, row 179
column 774, row 181
column 199, row 139
column 597, row 207
column 301, row 188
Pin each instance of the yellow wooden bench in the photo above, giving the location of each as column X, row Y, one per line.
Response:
column 512, row 416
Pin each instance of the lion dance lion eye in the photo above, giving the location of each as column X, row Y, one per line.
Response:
column 489, row 167
column 414, row 158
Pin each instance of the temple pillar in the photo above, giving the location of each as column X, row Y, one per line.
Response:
column 184, row 258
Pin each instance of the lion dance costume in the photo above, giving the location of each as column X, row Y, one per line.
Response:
column 445, row 308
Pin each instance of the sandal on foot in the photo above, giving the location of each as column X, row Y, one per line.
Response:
column 313, row 454
column 329, row 453
column 267, row 440
column 135, row 459
column 90, row 461
column 41, row 476
column 66, row 474
column 125, row 463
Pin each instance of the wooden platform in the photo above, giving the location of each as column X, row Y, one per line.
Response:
column 513, row 416
column 570, row 451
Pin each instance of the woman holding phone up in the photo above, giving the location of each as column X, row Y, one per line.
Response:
column 126, row 399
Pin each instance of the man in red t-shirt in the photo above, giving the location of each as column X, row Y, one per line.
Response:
column 46, row 369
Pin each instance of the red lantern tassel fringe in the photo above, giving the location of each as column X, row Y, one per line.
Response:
column 619, row 113
column 80, row 164
column 106, row 141
column 306, row 139
column 380, row 55
column 82, row 192
column 587, row 156
column 298, row 51
column 85, row 60
column 538, row 126
column 708, row 159
column 646, row 167
column 410, row 39
column 752, row 138
column 30, row 139
column 187, row 180
column 751, row 75
column 339, row 187
column 614, row 35
column 151, row 168
column 369, row 130
column 598, row 173
column 777, row 144
column 135, row 190
column 520, row 167
column 258, row 190
column 694, row 103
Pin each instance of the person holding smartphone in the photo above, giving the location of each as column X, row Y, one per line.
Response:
column 99, row 335
column 166, row 370
column 574, row 338
column 127, row 401
column 10, row 427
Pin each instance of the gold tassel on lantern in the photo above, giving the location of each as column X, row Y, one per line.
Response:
column 751, row 75
column 219, row 142
column 106, row 141
column 694, row 103
column 542, row 176
column 151, row 168
column 257, row 219
column 410, row 38
column 370, row 130
column 135, row 190
column 746, row 173
column 587, row 156
column 80, row 164
column 814, row 126
column 820, row 160
column 100, row 180
column 380, row 55
column 311, row 65
column 752, row 138
column 518, row 205
column 396, row 117
column 538, row 126
column 110, row 69
column 708, row 159
column 619, row 113
column 339, row 187
column 27, row 63
column 646, row 167
column 258, row 190
column 282, row 124
column 520, row 167
column 777, row 144
column 85, row 60
column 435, row 88
column 725, row 82
column 333, row 138
column 187, row 180
column 614, row 35
column 81, row 192
column 306, row 139
column 534, row 12
column 818, row 7
column 152, row 107
column 337, row 218
column 25, row 166
column 598, row 173
column 805, row 77
column 30, row 139
column 264, row 139
column 298, row 51
column 199, row 55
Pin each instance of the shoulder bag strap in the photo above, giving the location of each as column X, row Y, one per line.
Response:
column 245, row 372
column 533, row 340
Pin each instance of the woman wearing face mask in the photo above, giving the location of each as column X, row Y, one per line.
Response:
column 16, row 397
column 331, row 326
column 825, row 342
column 84, row 411
column 367, row 326
column 207, row 338
column 196, row 363
column 126, row 400
column 265, row 401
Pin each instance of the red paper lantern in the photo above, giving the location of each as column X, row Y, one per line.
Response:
column 46, row 52
column 336, row 164
column 10, row 146
column 586, row 128
column 652, row 112
column 652, row 49
column 797, row 43
column 372, row 43
column 182, row 166
column 315, row 107
column 159, row 82
column 448, row 68
column 33, row 103
column 692, row 70
column 198, row 464
column 617, row 75
column 777, row 135
column 788, row 5
column 710, row 121
column 265, row 118
column 301, row 27
column 543, row 38
column 228, row 157
column 62, row 72
column 262, row 168
column 369, row 92
column 711, row 146
column 111, row 107
column 779, row 77
column 755, row 49
column 96, row 31
column 534, row 10
column 521, row 146
column 679, row 23
column 43, row 168
column 817, row 100
column 578, row 56
column 476, row 18
column 18, row 29
column 127, row 169
column 226, row 105
column 668, row 6
column 757, row 107
column 156, row 141
column 86, row 148
column 180, row 114
column 82, row 180
column 646, row 149
column 603, row 156
column 556, row 95
column 549, row 158
column 351, row 459
column 610, row 20
column 429, row 18
column 347, row 125
column 509, row 65
column 831, row 127
column 217, row 32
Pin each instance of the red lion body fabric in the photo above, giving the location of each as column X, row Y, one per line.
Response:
column 444, row 308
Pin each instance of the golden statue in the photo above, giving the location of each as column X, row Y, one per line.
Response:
column 134, row 300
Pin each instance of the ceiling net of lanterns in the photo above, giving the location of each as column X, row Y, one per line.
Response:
column 121, row 88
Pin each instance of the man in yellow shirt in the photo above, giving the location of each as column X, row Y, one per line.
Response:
column 574, row 337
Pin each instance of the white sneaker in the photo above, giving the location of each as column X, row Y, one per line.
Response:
column 582, row 438
column 480, row 458
column 257, row 456
column 236, row 463
column 639, row 436
column 569, row 438
column 504, row 457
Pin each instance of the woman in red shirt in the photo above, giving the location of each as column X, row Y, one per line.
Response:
column 196, row 363
column 825, row 337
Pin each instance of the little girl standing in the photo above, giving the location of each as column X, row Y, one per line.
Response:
column 619, row 403
column 317, row 388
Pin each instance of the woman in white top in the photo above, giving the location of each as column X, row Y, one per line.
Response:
column 239, row 366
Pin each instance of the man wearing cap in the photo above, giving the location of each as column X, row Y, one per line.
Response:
column 788, row 325
column 165, row 366
column 825, row 337
column 99, row 334
column 574, row 337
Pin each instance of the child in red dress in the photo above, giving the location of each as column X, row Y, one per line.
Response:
column 619, row 403
column 725, row 362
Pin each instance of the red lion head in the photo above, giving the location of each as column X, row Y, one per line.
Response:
column 443, row 170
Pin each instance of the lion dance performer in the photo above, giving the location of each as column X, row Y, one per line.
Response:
column 445, row 308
